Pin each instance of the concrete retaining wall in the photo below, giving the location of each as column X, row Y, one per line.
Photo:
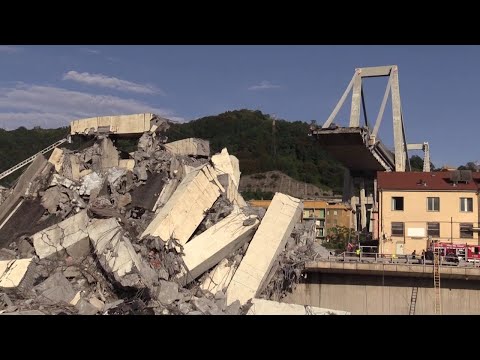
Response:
column 377, row 295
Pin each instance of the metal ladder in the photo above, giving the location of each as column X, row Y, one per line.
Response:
column 436, row 281
column 31, row 158
column 413, row 300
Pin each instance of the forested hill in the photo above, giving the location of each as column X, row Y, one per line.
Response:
column 247, row 134
column 18, row 145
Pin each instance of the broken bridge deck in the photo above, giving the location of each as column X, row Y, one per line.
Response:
column 351, row 147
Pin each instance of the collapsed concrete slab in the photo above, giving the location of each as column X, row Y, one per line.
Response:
column 190, row 146
column 166, row 193
column 4, row 192
column 91, row 184
column 69, row 235
column 186, row 208
column 52, row 198
column 109, row 154
column 127, row 164
column 268, row 307
column 118, row 124
column 223, row 164
column 27, row 312
column 117, row 255
column 146, row 195
column 227, row 169
column 219, row 278
column 24, row 220
column 71, row 167
column 269, row 240
column 219, row 241
column 56, row 159
column 23, row 188
column 16, row 273
column 60, row 180
column 56, row 289
column 231, row 190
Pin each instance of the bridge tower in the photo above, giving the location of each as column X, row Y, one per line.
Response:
column 359, row 149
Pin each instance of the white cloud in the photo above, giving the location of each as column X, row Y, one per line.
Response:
column 9, row 49
column 110, row 82
column 91, row 51
column 264, row 85
column 48, row 106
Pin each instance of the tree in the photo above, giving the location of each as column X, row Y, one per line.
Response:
column 469, row 166
column 339, row 237
column 416, row 162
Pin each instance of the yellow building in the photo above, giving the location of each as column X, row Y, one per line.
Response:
column 325, row 215
column 416, row 206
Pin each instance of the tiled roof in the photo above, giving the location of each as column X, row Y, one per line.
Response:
column 423, row 181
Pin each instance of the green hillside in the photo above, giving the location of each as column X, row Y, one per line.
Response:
column 247, row 134
column 19, row 144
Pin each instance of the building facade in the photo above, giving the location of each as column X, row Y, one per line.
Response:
column 417, row 206
column 326, row 215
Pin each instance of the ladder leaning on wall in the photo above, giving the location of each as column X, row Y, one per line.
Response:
column 436, row 280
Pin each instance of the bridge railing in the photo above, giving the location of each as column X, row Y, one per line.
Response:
column 399, row 259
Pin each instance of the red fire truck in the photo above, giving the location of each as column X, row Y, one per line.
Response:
column 455, row 252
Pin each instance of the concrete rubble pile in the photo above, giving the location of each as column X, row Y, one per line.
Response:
column 288, row 270
column 161, row 230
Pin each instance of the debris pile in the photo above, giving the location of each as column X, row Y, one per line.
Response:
column 161, row 230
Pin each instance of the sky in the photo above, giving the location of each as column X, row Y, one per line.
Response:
column 49, row 86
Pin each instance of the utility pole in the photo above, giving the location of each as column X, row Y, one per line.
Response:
column 273, row 141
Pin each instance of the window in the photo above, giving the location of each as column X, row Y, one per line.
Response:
column 433, row 228
column 466, row 204
column 433, row 204
column 335, row 212
column 397, row 228
column 397, row 203
column 321, row 214
column 466, row 230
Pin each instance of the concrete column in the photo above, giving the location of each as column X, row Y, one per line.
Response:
column 347, row 186
column 356, row 97
column 363, row 208
column 397, row 123
column 353, row 203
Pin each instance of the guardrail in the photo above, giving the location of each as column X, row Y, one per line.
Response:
column 32, row 158
column 397, row 259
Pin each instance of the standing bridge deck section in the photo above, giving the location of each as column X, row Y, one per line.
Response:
column 353, row 148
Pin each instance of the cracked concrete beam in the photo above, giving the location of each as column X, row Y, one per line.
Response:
column 24, row 184
column 56, row 159
column 117, row 255
column 69, row 235
column 269, row 240
column 187, row 207
column 268, row 307
column 217, row 242
column 109, row 157
column 14, row 272
column 219, row 278
column 190, row 146
column 227, row 169
column 127, row 164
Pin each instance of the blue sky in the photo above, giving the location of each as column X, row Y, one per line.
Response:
column 439, row 86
